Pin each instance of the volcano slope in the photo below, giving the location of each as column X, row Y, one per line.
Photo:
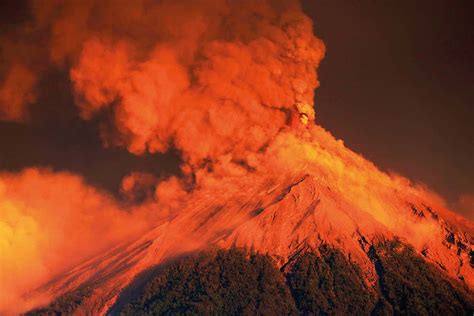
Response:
column 230, row 86
column 348, row 238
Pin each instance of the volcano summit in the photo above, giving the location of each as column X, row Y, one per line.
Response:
column 266, row 198
column 322, row 197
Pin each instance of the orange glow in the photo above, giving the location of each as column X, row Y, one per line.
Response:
column 49, row 222
column 231, row 85
column 16, row 92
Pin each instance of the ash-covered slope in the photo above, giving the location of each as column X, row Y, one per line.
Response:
column 230, row 85
column 309, row 191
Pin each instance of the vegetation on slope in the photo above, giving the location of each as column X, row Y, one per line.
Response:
column 235, row 282
column 411, row 285
column 329, row 284
column 228, row 283
column 66, row 304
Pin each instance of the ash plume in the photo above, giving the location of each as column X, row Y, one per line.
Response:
column 230, row 84
column 218, row 80
column 209, row 77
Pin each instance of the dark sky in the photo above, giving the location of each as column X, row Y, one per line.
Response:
column 397, row 84
column 55, row 137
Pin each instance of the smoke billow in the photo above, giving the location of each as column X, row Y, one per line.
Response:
column 50, row 221
column 16, row 92
column 209, row 77
column 216, row 79
column 230, row 84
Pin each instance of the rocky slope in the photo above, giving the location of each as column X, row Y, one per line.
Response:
column 309, row 191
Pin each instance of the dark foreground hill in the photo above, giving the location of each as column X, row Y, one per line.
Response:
column 321, row 282
column 343, row 238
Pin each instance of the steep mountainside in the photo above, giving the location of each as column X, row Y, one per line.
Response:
column 321, row 282
column 230, row 87
column 292, row 206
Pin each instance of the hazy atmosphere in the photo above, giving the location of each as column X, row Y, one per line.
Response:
column 399, row 93
column 220, row 157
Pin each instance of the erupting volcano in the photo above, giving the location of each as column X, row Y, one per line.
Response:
column 230, row 86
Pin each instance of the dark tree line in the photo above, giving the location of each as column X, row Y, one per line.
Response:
column 413, row 287
column 227, row 283
column 236, row 282
column 328, row 284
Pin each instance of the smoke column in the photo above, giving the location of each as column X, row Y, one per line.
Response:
column 230, row 84
column 218, row 80
column 209, row 77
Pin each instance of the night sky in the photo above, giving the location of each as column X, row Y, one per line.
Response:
column 397, row 85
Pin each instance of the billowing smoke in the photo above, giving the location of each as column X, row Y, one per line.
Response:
column 16, row 92
column 230, row 84
column 48, row 221
column 209, row 77
column 216, row 79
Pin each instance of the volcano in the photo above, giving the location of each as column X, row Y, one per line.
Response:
column 268, row 213
column 308, row 204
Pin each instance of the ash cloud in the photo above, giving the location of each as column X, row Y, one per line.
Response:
column 209, row 77
column 230, row 84
column 217, row 80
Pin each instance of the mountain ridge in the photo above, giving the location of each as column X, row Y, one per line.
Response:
column 284, row 214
